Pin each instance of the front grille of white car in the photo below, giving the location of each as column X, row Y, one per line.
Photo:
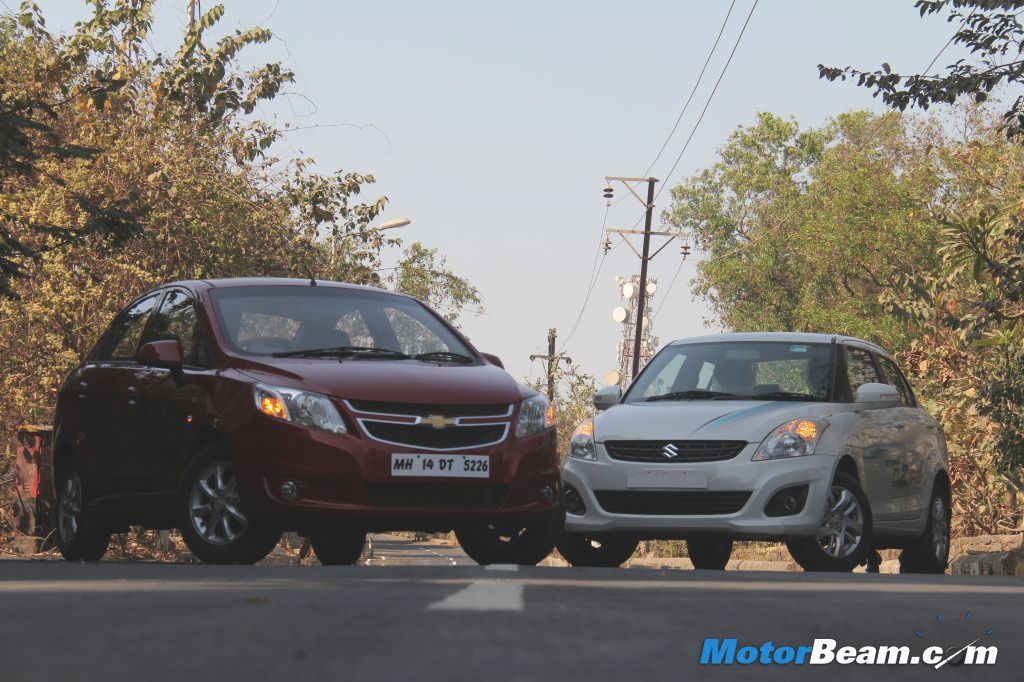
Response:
column 669, row 451
column 672, row 502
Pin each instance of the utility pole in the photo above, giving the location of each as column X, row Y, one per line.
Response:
column 552, row 359
column 645, row 255
column 193, row 8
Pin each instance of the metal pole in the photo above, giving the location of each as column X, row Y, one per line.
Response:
column 642, row 300
column 552, row 361
column 192, row 7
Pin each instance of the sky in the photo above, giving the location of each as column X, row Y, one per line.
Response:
column 492, row 126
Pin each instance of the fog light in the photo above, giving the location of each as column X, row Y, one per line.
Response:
column 547, row 492
column 290, row 491
column 787, row 502
column 573, row 501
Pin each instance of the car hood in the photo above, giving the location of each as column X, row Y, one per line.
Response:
column 403, row 381
column 701, row 419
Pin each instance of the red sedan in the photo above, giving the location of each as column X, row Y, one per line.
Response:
column 239, row 409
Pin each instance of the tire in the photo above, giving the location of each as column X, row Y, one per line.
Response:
column 608, row 551
column 930, row 552
column 709, row 552
column 526, row 545
column 338, row 547
column 848, row 511
column 80, row 536
column 211, row 514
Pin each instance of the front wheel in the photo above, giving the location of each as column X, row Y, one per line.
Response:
column 930, row 552
column 709, row 552
column 80, row 537
column 606, row 551
column 212, row 519
column 844, row 539
column 526, row 545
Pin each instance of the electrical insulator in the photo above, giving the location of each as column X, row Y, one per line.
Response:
column 607, row 245
column 685, row 250
column 608, row 192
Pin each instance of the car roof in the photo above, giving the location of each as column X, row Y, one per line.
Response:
column 785, row 337
column 196, row 285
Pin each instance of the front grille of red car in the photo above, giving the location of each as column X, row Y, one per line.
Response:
column 435, row 495
column 682, row 451
column 426, row 436
column 425, row 410
column 672, row 502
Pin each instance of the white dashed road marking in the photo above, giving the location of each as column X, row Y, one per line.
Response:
column 483, row 595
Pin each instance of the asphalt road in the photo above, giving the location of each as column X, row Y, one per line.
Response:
column 424, row 612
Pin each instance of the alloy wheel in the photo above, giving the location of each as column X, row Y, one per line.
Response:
column 843, row 529
column 70, row 509
column 214, row 505
column 940, row 529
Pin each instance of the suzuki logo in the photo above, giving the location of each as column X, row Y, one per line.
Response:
column 438, row 421
column 670, row 451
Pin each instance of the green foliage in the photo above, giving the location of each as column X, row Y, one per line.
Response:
column 992, row 32
column 96, row 126
column 894, row 230
column 422, row 273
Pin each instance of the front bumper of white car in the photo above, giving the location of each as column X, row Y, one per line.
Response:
column 727, row 481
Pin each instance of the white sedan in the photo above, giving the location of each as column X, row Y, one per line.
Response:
column 812, row 439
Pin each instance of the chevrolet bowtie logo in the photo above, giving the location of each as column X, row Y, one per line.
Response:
column 670, row 451
column 438, row 421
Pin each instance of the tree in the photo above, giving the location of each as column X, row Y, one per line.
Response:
column 990, row 29
column 893, row 229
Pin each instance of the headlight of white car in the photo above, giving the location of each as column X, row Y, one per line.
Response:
column 311, row 410
column 581, row 446
column 535, row 415
column 793, row 439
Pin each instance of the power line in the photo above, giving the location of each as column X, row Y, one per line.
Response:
column 700, row 77
column 707, row 104
column 594, row 271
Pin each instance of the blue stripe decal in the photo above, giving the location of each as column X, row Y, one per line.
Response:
column 737, row 415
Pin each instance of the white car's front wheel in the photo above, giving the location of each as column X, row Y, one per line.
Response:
column 844, row 539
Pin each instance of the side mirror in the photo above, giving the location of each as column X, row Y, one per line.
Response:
column 166, row 354
column 877, row 393
column 607, row 397
column 494, row 360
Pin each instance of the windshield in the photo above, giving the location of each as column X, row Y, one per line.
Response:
column 290, row 320
column 737, row 371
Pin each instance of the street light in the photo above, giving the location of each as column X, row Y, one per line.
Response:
column 392, row 224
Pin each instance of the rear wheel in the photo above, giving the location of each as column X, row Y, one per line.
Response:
column 608, row 551
column 930, row 552
column 709, row 552
column 844, row 539
column 213, row 522
column 526, row 545
column 338, row 547
column 80, row 536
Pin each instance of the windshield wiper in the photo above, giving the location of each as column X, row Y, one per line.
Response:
column 445, row 356
column 784, row 395
column 343, row 352
column 697, row 394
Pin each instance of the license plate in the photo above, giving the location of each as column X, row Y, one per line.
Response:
column 667, row 478
column 448, row 466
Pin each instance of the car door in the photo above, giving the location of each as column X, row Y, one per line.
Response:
column 103, row 383
column 170, row 402
column 916, row 429
column 874, row 438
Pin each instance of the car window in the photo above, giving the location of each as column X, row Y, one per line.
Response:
column 122, row 337
column 860, row 369
column 177, row 320
column 895, row 378
column 747, row 369
column 261, row 320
